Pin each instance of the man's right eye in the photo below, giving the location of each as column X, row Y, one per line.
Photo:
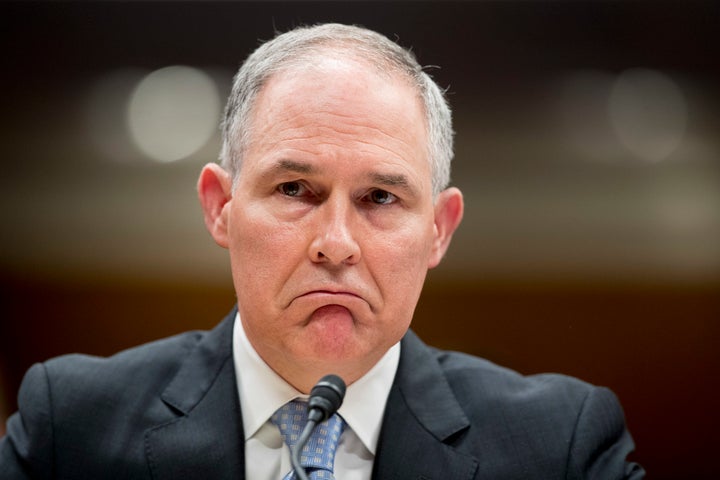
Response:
column 291, row 189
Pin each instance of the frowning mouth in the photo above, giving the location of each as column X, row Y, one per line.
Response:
column 329, row 294
column 322, row 297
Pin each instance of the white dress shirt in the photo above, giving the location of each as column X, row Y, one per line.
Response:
column 262, row 391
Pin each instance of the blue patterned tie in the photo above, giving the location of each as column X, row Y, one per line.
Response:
column 318, row 454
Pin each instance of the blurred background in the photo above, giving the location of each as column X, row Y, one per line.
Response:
column 587, row 149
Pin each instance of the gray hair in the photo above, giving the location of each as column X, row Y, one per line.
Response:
column 296, row 48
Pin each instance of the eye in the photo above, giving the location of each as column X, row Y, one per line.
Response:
column 381, row 197
column 291, row 189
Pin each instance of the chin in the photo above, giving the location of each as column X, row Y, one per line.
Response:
column 333, row 347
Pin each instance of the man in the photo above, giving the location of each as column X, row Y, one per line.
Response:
column 332, row 200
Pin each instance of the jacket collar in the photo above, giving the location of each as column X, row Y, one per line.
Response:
column 421, row 418
column 204, row 438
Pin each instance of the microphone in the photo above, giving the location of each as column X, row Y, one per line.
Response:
column 325, row 399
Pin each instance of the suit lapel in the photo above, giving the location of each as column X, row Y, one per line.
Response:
column 421, row 418
column 205, row 437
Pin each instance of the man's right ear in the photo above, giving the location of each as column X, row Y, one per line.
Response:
column 215, row 192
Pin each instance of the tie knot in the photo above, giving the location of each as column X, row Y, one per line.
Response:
column 318, row 454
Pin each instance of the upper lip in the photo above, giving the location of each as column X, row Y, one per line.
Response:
column 331, row 290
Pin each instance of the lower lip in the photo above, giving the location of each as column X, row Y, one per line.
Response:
column 333, row 314
column 331, row 310
column 316, row 300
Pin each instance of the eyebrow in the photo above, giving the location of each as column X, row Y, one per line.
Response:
column 390, row 180
column 286, row 165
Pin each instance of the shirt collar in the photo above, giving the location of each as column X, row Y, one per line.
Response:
column 262, row 391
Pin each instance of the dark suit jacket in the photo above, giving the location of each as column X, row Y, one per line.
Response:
column 169, row 410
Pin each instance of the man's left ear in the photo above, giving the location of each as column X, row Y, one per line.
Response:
column 448, row 214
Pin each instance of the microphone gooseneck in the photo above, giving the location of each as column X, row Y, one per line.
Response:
column 325, row 399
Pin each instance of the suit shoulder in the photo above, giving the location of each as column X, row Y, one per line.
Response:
column 545, row 425
column 119, row 376
column 157, row 354
column 473, row 377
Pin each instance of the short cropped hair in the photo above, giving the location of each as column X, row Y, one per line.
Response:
column 297, row 48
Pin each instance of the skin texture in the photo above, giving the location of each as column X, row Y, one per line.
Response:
column 331, row 226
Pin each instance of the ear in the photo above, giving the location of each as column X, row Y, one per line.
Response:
column 448, row 214
column 215, row 192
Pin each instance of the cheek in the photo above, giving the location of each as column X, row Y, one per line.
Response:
column 399, row 274
column 399, row 262
column 262, row 250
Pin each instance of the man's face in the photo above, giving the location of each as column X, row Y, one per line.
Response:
column 331, row 224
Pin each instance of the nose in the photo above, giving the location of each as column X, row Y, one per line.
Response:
column 335, row 242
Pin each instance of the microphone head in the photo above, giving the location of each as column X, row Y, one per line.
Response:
column 327, row 396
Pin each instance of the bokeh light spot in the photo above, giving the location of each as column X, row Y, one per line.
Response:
column 173, row 112
column 648, row 113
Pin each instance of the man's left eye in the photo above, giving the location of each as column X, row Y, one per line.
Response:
column 381, row 197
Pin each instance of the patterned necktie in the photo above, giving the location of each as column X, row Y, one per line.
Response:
column 318, row 454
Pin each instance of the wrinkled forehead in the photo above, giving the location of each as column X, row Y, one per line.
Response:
column 350, row 71
column 332, row 84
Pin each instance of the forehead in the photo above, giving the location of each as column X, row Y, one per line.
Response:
column 341, row 99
